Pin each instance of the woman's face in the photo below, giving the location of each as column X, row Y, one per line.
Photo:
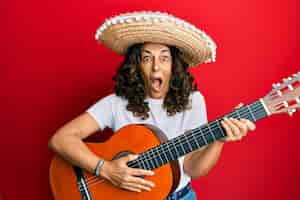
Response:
column 156, row 66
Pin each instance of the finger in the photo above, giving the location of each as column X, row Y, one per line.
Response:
column 128, row 158
column 141, row 172
column 131, row 157
column 241, row 125
column 234, row 129
column 137, row 186
column 140, row 181
column 130, row 188
column 229, row 134
column 251, row 126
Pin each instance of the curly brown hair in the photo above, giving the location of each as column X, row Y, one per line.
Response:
column 130, row 83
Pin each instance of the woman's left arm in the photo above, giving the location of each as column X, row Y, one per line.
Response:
column 198, row 163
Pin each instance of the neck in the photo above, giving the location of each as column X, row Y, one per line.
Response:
column 194, row 139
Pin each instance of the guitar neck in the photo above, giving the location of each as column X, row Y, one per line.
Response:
column 196, row 138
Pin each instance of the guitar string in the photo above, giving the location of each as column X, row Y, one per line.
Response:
column 89, row 180
column 189, row 136
column 214, row 127
column 94, row 180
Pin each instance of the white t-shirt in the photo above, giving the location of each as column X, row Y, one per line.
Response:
column 111, row 112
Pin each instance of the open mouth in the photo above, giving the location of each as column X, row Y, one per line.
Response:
column 156, row 83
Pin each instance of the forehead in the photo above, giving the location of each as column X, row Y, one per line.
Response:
column 155, row 48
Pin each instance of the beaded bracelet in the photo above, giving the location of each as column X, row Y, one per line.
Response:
column 98, row 167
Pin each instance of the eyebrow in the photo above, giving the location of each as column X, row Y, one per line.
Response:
column 149, row 52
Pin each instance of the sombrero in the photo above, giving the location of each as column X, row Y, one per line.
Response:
column 120, row 32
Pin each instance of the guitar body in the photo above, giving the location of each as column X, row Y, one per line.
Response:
column 129, row 139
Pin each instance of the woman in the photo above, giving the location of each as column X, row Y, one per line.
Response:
column 153, row 86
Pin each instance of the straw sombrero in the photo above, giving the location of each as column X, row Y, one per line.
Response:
column 120, row 32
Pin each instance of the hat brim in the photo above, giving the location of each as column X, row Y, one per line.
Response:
column 196, row 48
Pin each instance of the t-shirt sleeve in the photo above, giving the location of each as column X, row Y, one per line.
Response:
column 102, row 111
column 199, row 115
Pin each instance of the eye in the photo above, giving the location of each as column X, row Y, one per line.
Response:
column 147, row 59
column 165, row 59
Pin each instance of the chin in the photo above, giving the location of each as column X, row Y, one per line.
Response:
column 156, row 96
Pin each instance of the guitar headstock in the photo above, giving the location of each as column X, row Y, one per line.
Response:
column 285, row 96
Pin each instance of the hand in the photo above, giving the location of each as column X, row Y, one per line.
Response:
column 236, row 129
column 120, row 175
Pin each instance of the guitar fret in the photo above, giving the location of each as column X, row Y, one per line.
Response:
column 169, row 151
column 159, row 156
column 186, row 148
column 193, row 141
column 251, row 113
column 138, row 164
column 144, row 160
column 245, row 113
column 216, row 131
column 196, row 141
column 260, row 112
column 220, row 128
column 210, row 131
column 176, row 152
column 154, row 159
column 143, row 164
column 202, row 135
column 182, row 147
column 207, row 133
column 238, row 114
column 164, row 156
column 150, row 161
column 187, row 141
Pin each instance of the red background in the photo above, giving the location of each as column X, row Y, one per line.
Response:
column 52, row 69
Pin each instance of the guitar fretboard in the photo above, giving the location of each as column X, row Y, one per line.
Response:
column 194, row 139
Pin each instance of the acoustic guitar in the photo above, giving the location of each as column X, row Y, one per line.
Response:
column 159, row 154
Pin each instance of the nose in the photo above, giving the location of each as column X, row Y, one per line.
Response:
column 155, row 64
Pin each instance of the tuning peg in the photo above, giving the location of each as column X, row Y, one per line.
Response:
column 290, row 87
column 284, row 80
column 279, row 93
column 276, row 85
column 291, row 112
column 289, row 78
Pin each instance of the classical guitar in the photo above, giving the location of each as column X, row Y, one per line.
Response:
column 159, row 154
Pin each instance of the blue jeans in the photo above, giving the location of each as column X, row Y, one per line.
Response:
column 191, row 195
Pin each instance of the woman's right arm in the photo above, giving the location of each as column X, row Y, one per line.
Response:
column 67, row 142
